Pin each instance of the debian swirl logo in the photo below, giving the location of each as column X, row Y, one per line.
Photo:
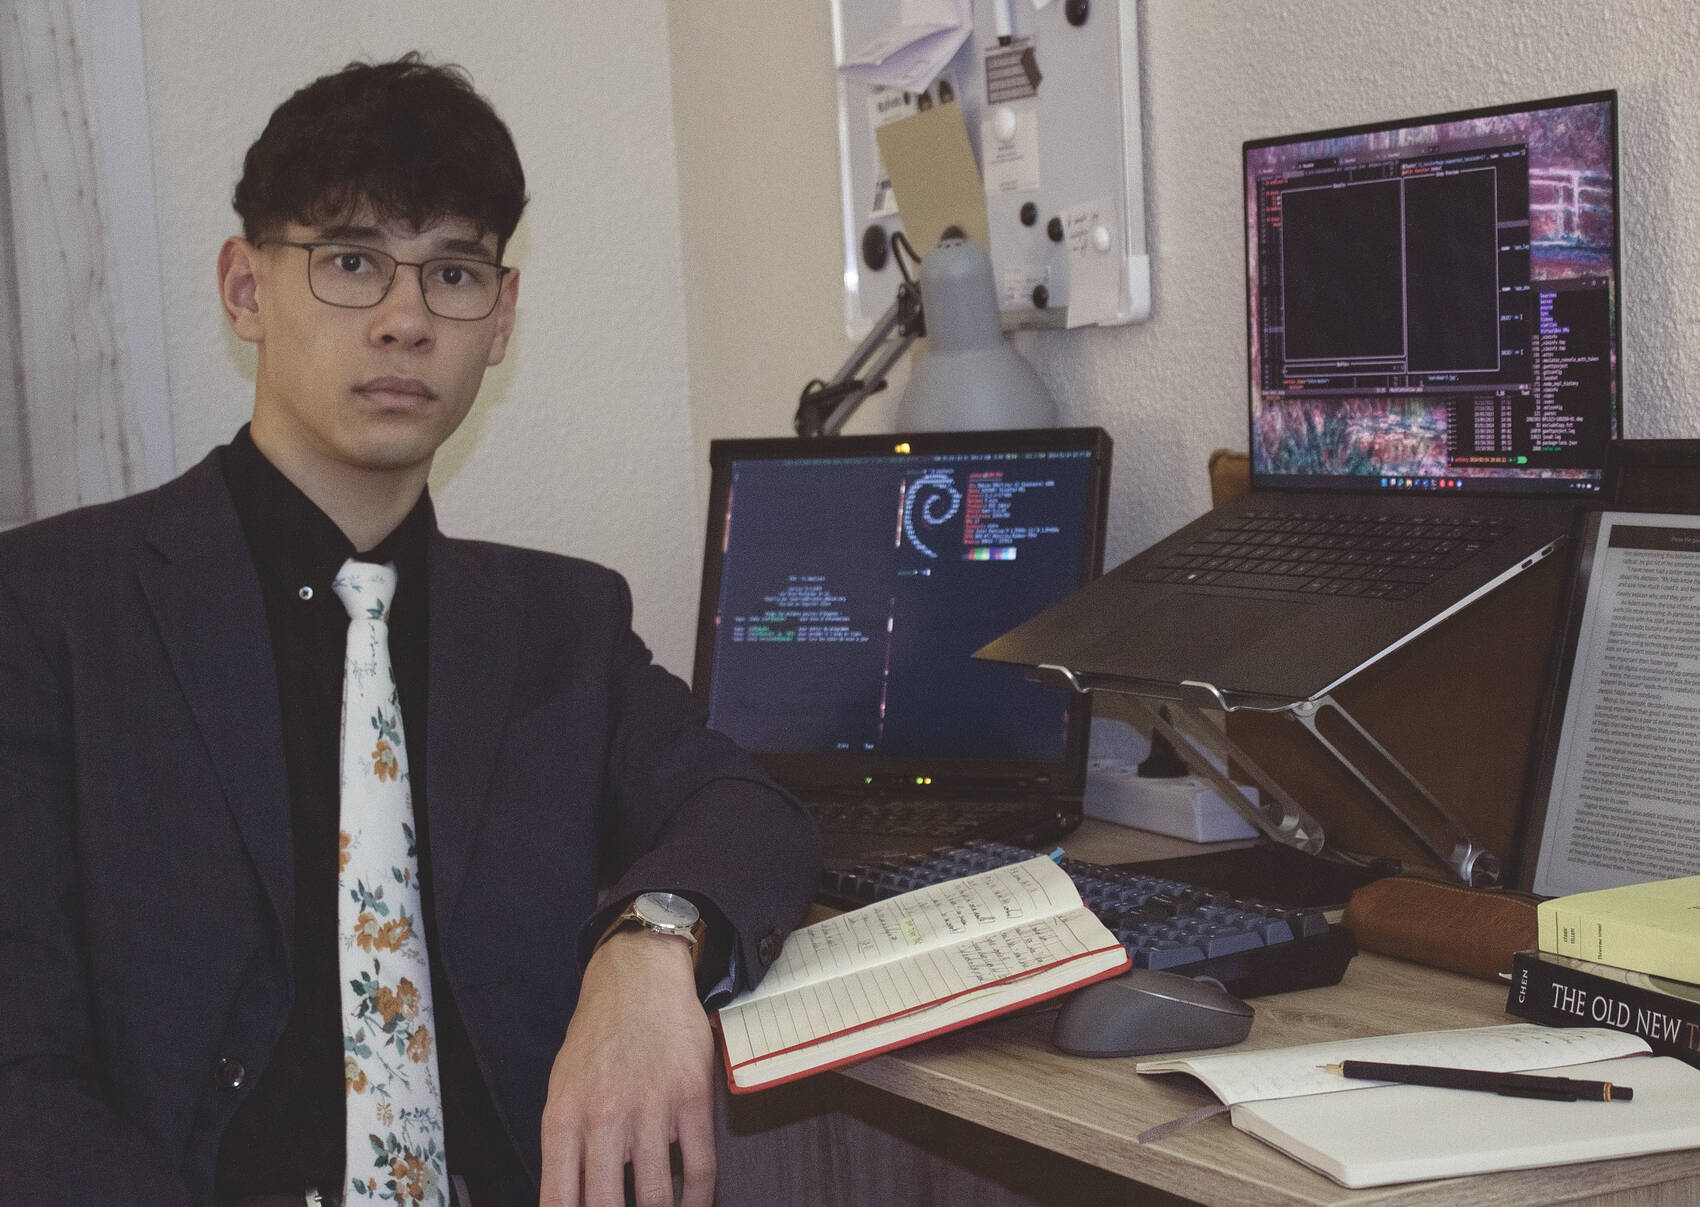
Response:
column 937, row 499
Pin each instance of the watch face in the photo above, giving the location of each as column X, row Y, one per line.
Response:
column 667, row 910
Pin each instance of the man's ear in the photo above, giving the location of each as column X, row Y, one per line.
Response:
column 239, row 288
column 505, row 306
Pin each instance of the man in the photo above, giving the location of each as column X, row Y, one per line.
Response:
column 176, row 1022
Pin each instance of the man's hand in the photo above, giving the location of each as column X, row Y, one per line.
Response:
column 634, row 1075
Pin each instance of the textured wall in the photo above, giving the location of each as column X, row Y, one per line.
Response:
column 1216, row 72
column 591, row 437
column 581, row 439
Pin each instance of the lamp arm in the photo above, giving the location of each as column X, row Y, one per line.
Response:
column 824, row 407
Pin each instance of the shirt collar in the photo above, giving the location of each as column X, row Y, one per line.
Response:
column 295, row 544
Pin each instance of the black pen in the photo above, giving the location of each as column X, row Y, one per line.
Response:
column 1512, row 1085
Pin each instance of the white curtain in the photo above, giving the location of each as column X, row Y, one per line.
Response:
column 83, row 349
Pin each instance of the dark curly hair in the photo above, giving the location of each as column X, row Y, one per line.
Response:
column 411, row 140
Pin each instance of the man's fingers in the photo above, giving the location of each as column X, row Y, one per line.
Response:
column 562, row 1176
column 604, row 1164
column 696, row 1152
column 652, row 1172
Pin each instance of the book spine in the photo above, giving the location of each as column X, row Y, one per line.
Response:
column 1572, row 997
column 1567, row 928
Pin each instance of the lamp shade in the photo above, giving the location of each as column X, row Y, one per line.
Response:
column 968, row 377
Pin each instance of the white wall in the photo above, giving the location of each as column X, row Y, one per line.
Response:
column 581, row 440
column 1215, row 72
column 681, row 288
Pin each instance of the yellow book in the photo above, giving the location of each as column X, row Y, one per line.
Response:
column 1652, row 928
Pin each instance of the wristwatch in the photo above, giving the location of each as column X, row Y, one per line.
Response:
column 664, row 914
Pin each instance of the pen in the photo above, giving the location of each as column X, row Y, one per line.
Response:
column 1512, row 1085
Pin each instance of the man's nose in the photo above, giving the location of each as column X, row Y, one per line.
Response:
column 402, row 317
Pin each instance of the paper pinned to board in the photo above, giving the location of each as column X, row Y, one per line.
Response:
column 1094, row 267
column 933, row 172
column 911, row 53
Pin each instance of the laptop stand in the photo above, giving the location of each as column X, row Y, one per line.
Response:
column 1276, row 814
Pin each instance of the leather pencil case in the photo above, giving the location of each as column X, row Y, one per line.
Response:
column 1473, row 931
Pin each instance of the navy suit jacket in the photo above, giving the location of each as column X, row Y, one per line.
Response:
column 146, row 887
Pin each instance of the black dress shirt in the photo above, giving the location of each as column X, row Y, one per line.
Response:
column 288, row 1134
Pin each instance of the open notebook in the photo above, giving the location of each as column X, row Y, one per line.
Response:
column 847, row 581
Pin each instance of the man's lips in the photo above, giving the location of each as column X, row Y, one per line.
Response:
column 401, row 390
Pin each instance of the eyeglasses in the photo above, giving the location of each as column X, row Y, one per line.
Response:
column 358, row 278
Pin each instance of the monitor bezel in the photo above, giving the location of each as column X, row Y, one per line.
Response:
column 877, row 772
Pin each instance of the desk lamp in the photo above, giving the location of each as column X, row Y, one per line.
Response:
column 967, row 378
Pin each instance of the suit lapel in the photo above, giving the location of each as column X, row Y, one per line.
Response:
column 472, row 661
column 205, row 596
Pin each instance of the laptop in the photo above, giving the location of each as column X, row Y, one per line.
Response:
column 1434, row 335
column 847, row 581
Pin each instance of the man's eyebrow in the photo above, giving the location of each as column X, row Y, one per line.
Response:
column 467, row 247
column 349, row 234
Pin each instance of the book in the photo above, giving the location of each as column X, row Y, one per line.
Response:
column 1652, row 927
column 912, row 966
column 1374, row 1134
column 1561, row 991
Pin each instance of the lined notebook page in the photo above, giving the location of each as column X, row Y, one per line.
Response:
column 922, row 920
column 919, row 963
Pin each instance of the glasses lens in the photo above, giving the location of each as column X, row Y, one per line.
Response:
column 349, row 276
column 460, row 289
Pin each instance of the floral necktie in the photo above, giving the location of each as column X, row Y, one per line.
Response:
column 393, row 1101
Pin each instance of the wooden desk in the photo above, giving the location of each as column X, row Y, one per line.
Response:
column 994, row 1117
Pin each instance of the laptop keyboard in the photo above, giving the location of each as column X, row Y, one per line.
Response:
column 1361, row 555
column 1253, row 947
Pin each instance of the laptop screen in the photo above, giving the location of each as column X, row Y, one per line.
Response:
column 848, row 579
column 1434, row 304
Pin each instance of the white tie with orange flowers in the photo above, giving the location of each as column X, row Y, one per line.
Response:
column 394, row 1106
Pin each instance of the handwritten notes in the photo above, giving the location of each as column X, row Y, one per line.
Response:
column 927, row 961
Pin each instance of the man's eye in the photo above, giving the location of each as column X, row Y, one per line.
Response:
column 348, row 261
column 459, row 274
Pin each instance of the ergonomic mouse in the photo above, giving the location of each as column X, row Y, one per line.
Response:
column 1142, row 1011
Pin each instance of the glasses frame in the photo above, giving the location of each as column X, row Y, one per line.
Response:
column 418, row 266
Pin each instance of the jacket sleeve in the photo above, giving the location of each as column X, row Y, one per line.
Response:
column 61, row 1141
column 688, row 811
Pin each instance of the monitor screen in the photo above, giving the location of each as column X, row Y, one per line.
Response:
column 1434, row 304
column 848, row 581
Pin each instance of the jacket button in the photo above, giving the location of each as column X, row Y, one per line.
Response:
column 767, row 951
column 230, row 1074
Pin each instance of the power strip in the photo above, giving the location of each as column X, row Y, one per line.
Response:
column 1182, row 806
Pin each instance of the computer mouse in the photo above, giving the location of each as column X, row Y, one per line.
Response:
column 1142, row 1011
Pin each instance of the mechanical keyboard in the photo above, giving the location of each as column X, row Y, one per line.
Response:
column 1252, row 947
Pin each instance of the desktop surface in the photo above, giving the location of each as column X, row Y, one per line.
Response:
column 1003, row 1076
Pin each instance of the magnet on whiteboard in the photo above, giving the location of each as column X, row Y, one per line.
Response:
column 1003, row 124
column 1101, row 238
